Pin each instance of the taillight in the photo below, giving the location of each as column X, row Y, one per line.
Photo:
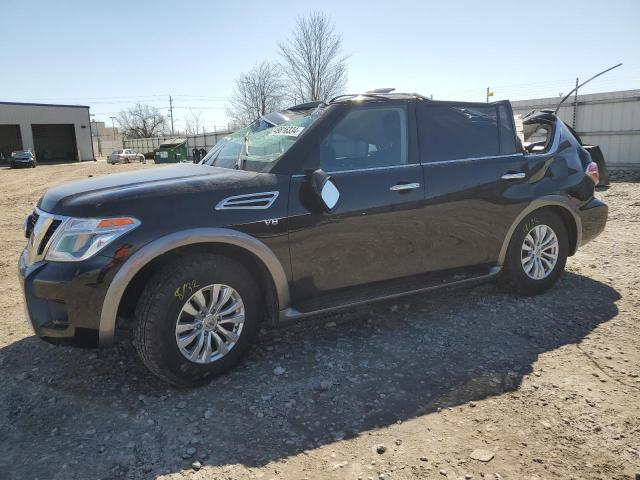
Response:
column 593, row 172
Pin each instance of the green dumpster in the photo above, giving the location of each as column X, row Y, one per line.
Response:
column 171, row 151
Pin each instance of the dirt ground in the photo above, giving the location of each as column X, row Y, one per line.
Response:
column 545, row 387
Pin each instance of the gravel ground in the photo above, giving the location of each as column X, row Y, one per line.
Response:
column 464, row 383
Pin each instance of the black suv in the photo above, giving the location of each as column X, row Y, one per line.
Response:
column 367, row 197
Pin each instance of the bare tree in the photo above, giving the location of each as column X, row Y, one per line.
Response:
column 255, row 93
column 193, row 122
column 312, row 59
column 142, row 121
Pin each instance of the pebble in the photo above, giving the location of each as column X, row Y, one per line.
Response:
column 196, row 465
column 424, row 459
column 330, row 324
column 481, row 455
column 443, row 472
column 279, row 371
column 381, row 449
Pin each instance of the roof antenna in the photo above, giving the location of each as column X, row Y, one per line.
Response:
column 583, row 83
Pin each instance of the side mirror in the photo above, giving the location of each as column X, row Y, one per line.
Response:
column 325, row 189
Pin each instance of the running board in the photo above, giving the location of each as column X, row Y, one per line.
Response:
column 293, row 313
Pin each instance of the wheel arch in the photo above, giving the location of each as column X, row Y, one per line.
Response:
column 257, row 257
column 557, row 204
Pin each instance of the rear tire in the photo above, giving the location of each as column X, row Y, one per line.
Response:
column 166, row 312
column 537, row 254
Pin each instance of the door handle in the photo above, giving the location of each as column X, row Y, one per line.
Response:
column 513, row 176
column 404, row 187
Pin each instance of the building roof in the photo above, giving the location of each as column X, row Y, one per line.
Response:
column 43, row 105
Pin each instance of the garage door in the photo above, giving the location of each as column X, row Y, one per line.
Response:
column 55, row 142
column 10, row 140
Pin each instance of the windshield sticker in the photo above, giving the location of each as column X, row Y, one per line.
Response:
column 287, row 130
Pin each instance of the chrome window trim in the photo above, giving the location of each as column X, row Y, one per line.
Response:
column 243, row 202
column 370, row 169
column 466, row 159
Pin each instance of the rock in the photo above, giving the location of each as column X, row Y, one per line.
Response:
column 424, row 459
column 481, row 455
column 398, row 442
column 196, row 465
column 443, row 472
column 279, row 371
column 381, row 449
column 330, row 324
column 468, row 476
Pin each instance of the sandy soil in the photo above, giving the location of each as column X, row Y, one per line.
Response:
column 540, row 388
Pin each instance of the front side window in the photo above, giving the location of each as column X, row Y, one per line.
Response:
column 367, row 137
column 451, row 132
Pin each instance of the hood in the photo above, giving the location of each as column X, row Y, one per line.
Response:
column 128, row 192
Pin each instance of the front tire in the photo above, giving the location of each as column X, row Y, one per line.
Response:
column 537, row 254
column 196, row 318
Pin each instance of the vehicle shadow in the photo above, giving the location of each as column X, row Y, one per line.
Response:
column 344, row 376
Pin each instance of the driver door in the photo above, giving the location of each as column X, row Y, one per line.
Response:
column 372, row 233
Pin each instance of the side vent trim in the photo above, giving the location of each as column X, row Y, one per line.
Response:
column 249, row 201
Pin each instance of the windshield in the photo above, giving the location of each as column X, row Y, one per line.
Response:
column 258, row 146
column 116, row 152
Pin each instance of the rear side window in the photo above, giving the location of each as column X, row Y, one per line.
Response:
column 451, row 132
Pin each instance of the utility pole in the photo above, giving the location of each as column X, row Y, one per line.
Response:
column 171, row 112
column 113, row 127
column 575, row 106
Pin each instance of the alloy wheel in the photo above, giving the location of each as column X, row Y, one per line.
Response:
column 539, row 253
column 210, row 323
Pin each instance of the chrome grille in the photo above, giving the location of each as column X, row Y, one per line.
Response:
column 40, row 229
column 261, row 200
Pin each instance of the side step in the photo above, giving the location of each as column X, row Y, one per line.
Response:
column 385, row 291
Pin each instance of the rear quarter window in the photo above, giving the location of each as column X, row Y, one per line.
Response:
column 452, row 132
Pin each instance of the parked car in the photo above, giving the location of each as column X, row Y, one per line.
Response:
column 368, row 197
column 126, row 155
column 23, row 158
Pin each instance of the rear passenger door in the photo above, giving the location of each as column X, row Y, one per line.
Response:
column 475, row 181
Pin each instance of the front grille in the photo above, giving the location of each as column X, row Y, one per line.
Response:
column 41, row 226
column 31, row 223
column 48, row 234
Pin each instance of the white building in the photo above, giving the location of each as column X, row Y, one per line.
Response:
column 610, row 120
column 55, row 133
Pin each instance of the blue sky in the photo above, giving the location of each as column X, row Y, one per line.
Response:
column 111, row 54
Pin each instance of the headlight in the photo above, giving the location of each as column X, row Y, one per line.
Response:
column 80, row 238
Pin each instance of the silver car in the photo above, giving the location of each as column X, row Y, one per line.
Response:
column 125, row 156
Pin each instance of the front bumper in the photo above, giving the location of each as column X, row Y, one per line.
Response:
column 594, row 218
column 63, row 301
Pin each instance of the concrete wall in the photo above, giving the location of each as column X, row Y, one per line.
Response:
column 25, row 115
column 203, row 140
column 610, row 120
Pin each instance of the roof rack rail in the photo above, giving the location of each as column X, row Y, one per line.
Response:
column 354, row 95
column 379, row 95
column 381, row 90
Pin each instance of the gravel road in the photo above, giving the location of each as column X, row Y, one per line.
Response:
column 456, row 384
